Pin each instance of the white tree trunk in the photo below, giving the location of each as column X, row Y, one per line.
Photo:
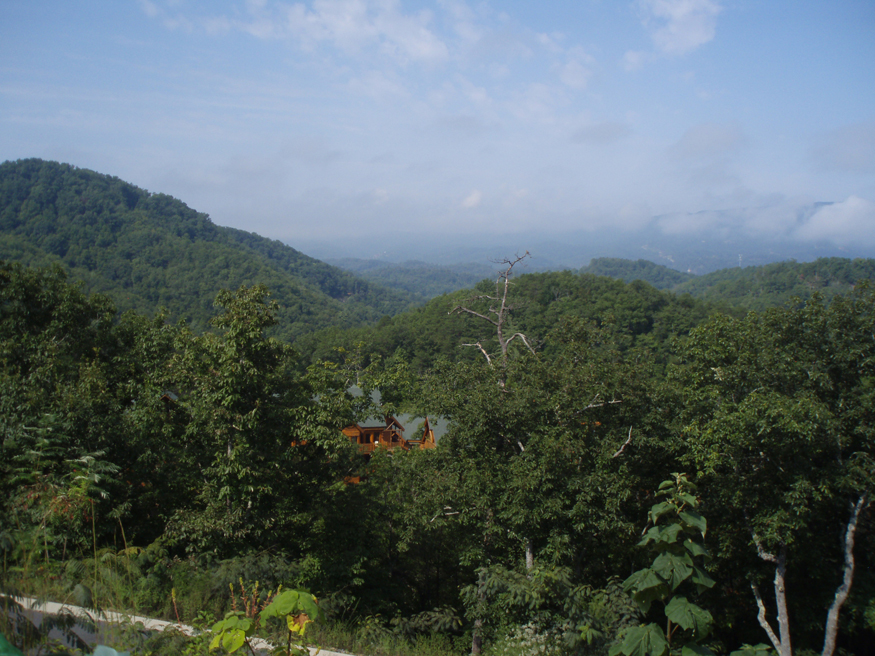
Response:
column 832, row 618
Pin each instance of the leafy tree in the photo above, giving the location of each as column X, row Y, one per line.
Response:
column 532, row 451
column 678, row 546
column 239, row 393
column 777, row 411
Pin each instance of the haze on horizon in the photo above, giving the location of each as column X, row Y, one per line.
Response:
column 369, row 119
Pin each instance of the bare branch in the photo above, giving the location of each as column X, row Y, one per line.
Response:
column 525, row 341
column 460, row 308
column 761, row 552
column 598, row 403
column 625, row 444
column 832, row 618
column 482, row 350
column 446, row 511
column 502, row 311
column 761, row 618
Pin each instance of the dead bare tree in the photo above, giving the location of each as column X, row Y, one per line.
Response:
column 498, row 311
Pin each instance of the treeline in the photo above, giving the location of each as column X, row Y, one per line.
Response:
column 149, row 251
column 661, row 277
column 636, row 315
column 772, row 285
column 421, row 279
column 221, row 457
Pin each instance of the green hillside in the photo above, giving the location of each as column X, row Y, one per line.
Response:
column 773, row 285
column 636, row 314
column 421, row 279
column 658, row 275
column 148, row 250
column 752, row 288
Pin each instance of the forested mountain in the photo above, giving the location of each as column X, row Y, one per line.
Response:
column 149, row 250
column 422, row 279
column 636, row 313
column 147, row 467
column 754, row 287
column 658, row 275
column 773, row 285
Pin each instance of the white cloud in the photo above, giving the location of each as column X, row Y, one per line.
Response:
column 472, row 200
column 464, row 20
column 150, row 8
column 709, row 140
column 354, row 24
column 350, row 25
column 576, row 72
column 378, row 85
column 848, row 223
column 601, row 134
column 849, row 148
column 679, row 26
column 634, row 59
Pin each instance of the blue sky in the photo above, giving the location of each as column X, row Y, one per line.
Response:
column 308, row 120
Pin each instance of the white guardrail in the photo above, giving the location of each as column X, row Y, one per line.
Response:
column 151, row 624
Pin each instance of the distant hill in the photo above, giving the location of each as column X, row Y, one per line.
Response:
column 147, row 250
column 661, row 277
column 636, row 312
column 421, row 279
column 770, row 285
column 751, row 288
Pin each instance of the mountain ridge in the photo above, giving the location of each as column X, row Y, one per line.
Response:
column 149, row 250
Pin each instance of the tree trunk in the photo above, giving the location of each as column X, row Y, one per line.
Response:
column 781, row 599
column 530, row 555
column 477, row 633
column 832, row 618
column 781, row 644
column 477, row 639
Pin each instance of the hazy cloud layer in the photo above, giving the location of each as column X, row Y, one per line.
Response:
column 848, row 223
column 849, row 148
column 322, row 118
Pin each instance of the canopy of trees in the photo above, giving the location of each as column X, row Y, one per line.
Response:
column 142, row 457
column 222, row 458
column 147, row 251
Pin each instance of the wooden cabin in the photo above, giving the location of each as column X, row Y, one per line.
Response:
column 370, row 436
column 426, row 439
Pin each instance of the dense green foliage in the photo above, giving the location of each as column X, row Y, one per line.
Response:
column 149, row 466
column 658, row 275
column 147, row 251
column 636, row 315
column 422, row 280
column 773, row 285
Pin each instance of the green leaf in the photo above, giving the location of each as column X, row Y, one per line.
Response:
column 646, row 640
column 659, row 510
column 286, row 603
column 693, row 649
column 293, row 602
column 668, row 534
column 701, row 579
column 688, row 499
column 673, row 568
column 752, row 650
column 8, row 649
column 689, row 616
column 233, row 640
column 696, row 549
column 692, row 518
